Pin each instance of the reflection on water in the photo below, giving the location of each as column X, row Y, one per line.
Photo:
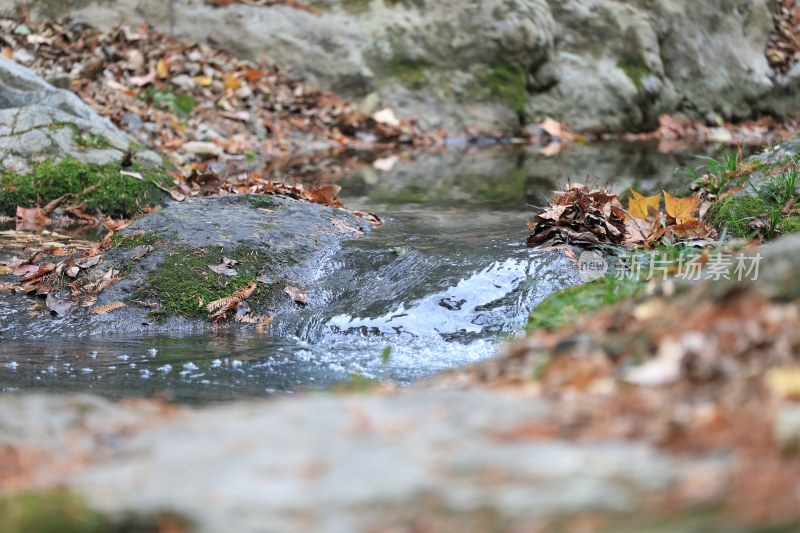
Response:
column 441, row 284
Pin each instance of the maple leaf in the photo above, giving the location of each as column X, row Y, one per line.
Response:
column 682, row 209
column 638, row 204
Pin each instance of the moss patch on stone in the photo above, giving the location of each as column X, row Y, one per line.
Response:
column 84, row 140
column 790, row 224
column 636, row 71
column 184, row 283
column 115, row 194
column 129, row 241
column 410, row 73
column 507, row 83
column 55, row 511
column 564, row 306
column 736, row 213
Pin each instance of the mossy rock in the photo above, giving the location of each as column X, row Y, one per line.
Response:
column 98, row 188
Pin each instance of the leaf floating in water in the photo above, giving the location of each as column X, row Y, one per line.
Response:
column 296, row 294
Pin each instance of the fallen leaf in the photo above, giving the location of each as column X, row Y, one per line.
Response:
column 386, row 116
column 162, row 69
column 31, row 217
column 385, row 164
column 107, row 308
column 140, row 251
column 89, row 262
column 56, row 306
column 638, row 204
column 784, row 382
column 296, row 294
column 141, row 81
column 682, row 209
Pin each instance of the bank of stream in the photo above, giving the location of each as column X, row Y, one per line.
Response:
column 442, row 283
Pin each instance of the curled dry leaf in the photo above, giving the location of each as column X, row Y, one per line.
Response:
column 299, row 296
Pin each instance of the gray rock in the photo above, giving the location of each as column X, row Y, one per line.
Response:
column 39, row 121
column 293, row 240
column 337, row 462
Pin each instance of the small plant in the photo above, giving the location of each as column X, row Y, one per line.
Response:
column 717, row 174
column 181, row 104
column 781, row 188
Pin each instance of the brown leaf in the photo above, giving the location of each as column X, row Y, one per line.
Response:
column 31, row 218
column 107, row 308
column 296, row 294
column 56, row 306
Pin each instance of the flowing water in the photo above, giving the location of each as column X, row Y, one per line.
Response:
column 442, row 283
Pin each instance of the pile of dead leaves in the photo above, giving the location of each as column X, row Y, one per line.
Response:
column 194, row 100
column 783, row 45
column 682, row 133
column 56, row 266
column 584, row 216
column 579, row 215
column 647, row 224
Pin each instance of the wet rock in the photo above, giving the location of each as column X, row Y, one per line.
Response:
column 165, row 265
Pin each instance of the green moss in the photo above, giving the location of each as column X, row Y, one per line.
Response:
column 355, row 6
column 115, row 194
column 411, row 73
column 508, row 83
column 183, row 279
column 790, row 224
column 636, row 70
column 84, row 140
column 129, row 241
column 56, row 511
column 564, row 306
column 261, row 201
column 736, row 213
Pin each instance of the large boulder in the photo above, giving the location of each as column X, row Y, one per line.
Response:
column 39, row 122
column 601, row 66
column 170, row 264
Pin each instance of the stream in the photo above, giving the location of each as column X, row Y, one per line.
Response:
column 442, row 283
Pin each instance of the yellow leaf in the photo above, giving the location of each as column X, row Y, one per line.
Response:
column 638, row 204
column 230, row 82
column 203, row 81
column 682, row 209
column 162, row 69
column 784, row 382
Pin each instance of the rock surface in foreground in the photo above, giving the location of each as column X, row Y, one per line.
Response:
column 452, row 461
